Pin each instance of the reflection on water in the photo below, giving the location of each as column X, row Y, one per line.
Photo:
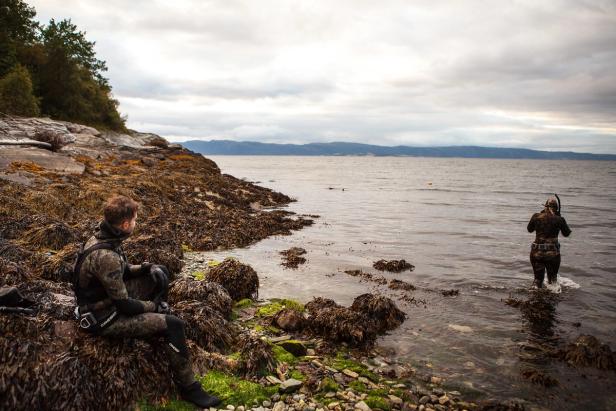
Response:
column 462, row 223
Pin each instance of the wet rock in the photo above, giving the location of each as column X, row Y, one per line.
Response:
column 395, row 400
column 450, row 293
column 289, row 320
column 350, row 373
column 443, row 400
column 290, row 385
column 294, row 347
column 394, row 266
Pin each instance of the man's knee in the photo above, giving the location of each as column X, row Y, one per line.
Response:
column 176, row 336
column 174, row 323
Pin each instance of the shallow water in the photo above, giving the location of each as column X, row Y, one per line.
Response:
column 462, row 223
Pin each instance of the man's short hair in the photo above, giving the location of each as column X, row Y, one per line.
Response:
column 120, row 208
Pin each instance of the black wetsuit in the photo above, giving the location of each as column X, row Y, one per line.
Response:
column 545, row 251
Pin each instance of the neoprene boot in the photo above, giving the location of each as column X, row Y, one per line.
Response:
column 195, row 394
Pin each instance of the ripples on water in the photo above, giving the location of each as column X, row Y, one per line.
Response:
column 462, row 223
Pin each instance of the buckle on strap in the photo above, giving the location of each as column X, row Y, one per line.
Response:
column 87, row 320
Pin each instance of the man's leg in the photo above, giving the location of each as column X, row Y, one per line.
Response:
column 170, row 326
column 152, row 324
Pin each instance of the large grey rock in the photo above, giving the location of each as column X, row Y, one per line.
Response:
column 290, row 385
column 46, row 159
column 26, row 139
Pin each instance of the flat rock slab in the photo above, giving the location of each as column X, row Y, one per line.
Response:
column 19, row 178
column 290, row 385
column 46, row 159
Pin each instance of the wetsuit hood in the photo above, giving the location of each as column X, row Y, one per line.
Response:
column 106, row 231
column 551, row 204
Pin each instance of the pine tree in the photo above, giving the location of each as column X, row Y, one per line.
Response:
column 16, row 95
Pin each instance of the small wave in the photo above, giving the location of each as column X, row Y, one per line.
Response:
column 562, row 283
column 568, row 283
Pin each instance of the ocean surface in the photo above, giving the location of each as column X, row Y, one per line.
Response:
column 462, row 223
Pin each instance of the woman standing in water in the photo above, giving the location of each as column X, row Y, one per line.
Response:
column 545, row 250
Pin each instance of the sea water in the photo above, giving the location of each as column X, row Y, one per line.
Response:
column 462, row 223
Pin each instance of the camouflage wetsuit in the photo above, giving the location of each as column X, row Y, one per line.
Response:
column 545, row 251
column 108, row 284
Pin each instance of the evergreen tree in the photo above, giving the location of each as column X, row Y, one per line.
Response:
column 16, row 95
column 17, row 28
column 71, row 83
column 57, row 64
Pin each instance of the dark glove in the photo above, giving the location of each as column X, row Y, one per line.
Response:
column 163, row 308
column 159, row 276
column 145, row 268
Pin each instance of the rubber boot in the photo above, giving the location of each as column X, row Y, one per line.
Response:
column 195, row 394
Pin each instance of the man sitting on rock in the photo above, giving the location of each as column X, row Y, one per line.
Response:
column 117, row 299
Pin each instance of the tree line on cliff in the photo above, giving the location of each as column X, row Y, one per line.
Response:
column 52, row 70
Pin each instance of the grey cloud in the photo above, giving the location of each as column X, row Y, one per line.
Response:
column 534, row 74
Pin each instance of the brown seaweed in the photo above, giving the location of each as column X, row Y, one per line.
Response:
column 394, row 266
column 240, row 280
column 209, row 293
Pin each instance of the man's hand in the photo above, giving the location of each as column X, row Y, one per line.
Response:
column 162, row 307
column 159, row 276
column 146, row 268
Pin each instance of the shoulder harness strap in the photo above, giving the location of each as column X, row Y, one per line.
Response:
column 81, row 256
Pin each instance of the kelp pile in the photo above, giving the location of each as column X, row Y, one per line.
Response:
column 394, row 266
column 209, row 293
column 185, row 202
column 204, row 325
column 240, row 280
column 539, row 378
column 588, row 351
column 292, row 257
column 359, row 325
column 401, row 285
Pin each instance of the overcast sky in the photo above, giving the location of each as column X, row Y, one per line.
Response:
column 537, row 74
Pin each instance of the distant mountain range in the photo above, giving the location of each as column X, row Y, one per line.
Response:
column 228, row 147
